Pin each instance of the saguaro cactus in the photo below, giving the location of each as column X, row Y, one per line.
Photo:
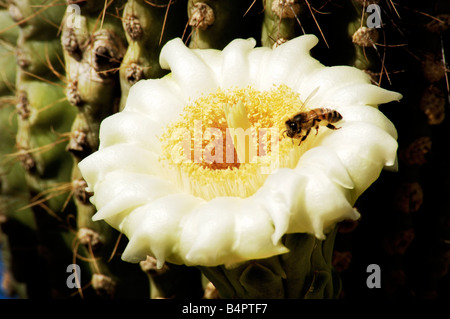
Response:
column 94, row 46
column 43, row 117
column 69, row 65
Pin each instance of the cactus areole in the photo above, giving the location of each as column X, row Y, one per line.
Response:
column 196, row 169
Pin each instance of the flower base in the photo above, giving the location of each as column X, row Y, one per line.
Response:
column 305, row 272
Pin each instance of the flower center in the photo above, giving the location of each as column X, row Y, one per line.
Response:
column 227, row 142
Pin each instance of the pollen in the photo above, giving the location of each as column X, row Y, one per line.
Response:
column 227, row 142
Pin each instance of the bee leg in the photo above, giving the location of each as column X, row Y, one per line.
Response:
column 332, row 127
column 317, row 129
column 316, row 126
column 307, row 133
column 304, row 136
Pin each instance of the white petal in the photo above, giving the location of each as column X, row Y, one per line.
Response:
column 154, row 229
column 304, row 200
column 364, row 149
column 360, row 94
column 160, row 100
column 367, row 114
column 188, row 69
column 120, row 157
column 324, row 202
column 213, row 59
column 130, row 127
column 280, row 196
column 208, row 234
column 235, row 65
column 290, row 63
column 253, row 232
column 329, row 80
column 120, row 191
column 232, row 61
column 227, row 230
column 328, row 162
column 257, row 59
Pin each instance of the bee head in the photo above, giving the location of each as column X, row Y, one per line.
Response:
column 291, row 128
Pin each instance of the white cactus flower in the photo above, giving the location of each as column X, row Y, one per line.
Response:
column 166, row 173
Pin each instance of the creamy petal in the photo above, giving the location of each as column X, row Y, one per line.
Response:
column 130, row 127
column 304, row 200
column 120, row 191
column 120, row 157
column 253, row 232
column 232, row 230
column 324, row 202
column 290, row 63
column 226, row 64
column 154, row 228
column 366, row 114
column 281, row 195
column 328, row 162
column 213, row 59
column 257, row 59
column 328, row 81
column 360, row 94
column 364, row 149
column 235, row 66
column 188, row 69
column 208, row 234
column 161, row 100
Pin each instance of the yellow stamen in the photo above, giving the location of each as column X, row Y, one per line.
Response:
column 206, row 152
column 240, row 128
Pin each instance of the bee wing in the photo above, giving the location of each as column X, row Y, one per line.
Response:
column 310, row 96
column 311, row 115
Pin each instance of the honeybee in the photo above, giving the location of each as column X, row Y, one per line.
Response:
column 299, row 126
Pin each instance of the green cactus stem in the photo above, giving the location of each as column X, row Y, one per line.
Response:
column 306, row 272
column 8, row 38
column 210, row 27
column 17, row 230
column 17, row 226
column 172, row 281
column 94, row 46
column 148, row 27
column 281, row 21
column 44, row 118
column 41, row 149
